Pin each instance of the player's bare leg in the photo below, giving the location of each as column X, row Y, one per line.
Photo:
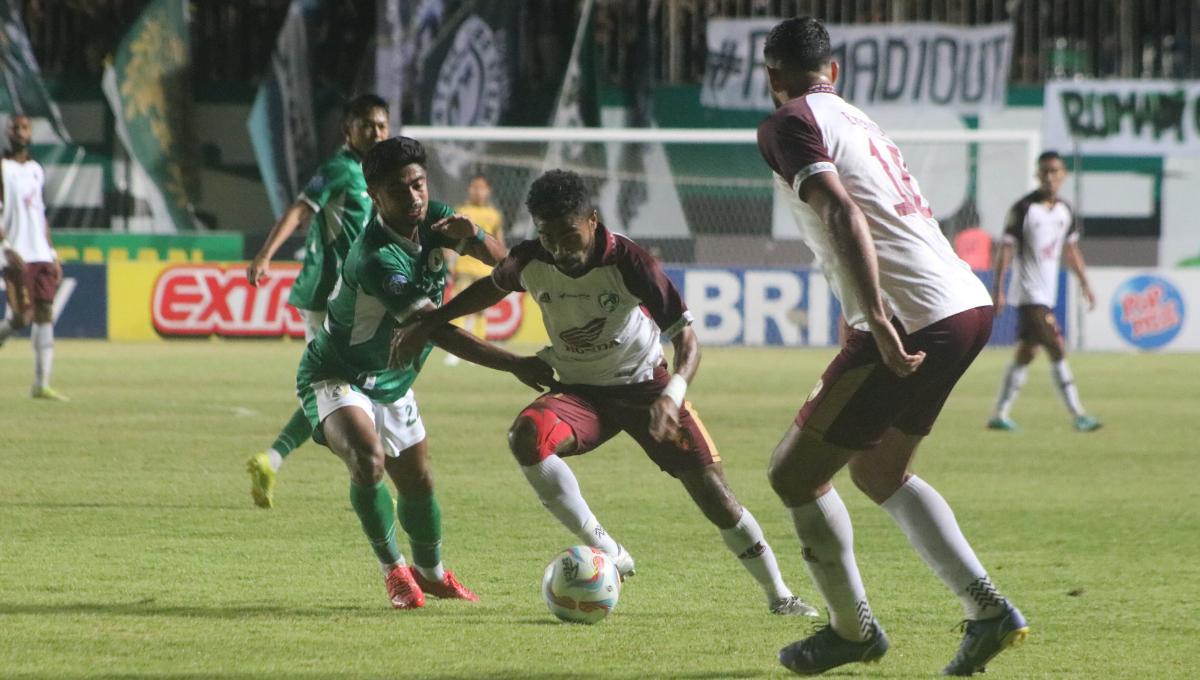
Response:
column 1064, row 382
column 19, row 314
column 421, row 517
column 883, row 473
column 536, row 438
column 41, row 335
column 743, row 536
column 1010, row 387
column 350, row 434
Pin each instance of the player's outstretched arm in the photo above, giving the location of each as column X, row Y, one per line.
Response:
column 530, row 370
column 298, row 213
column 856, row 252
column 664, row 412
column 1074, row 257
column 409, row 339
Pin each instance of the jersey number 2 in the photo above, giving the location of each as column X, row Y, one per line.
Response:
column 912, row 201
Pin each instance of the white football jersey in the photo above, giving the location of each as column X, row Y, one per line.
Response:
column 1037, row 233
column 922, row 279
column 24, row 212
column 605, row 324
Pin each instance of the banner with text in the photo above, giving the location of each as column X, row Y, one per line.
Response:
column 914, row 64
column 1123, row 117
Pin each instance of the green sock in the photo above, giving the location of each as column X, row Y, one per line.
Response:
column 373, row 505
column 422, row 521
column 296, row 432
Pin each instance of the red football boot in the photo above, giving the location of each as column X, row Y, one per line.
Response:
column 402, row 590
column 449, row 588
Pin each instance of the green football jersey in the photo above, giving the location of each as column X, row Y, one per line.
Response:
column 337, row 193
column 384, row 279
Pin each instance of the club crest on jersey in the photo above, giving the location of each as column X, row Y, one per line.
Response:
column 609, row 301
column 436, row 261
column 395, row 284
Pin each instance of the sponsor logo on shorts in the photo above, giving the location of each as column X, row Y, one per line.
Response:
column 209, row 299
column 1148, row 311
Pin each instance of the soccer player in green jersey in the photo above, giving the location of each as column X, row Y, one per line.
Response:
column 336, row 202
column 364, row 411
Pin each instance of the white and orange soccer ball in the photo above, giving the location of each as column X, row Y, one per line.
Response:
column 581, row 585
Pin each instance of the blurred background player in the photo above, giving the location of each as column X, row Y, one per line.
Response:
column 31, row 269
column 467, row 270
column 366, row 412
column 606, row 303
column 919, row 318
column 1040, row 231
column 335, row 200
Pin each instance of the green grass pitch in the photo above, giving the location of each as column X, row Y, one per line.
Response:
column 129, row 547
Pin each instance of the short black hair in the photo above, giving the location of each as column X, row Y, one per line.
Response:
column 558, row 193
column 800, row 43
column 390, row 155
column 1050, row 156
column 362, row 105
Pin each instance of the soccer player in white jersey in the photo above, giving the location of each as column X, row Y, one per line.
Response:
column 1039, row 233
column 31, row 269
column 919, row 316
column 606, row 303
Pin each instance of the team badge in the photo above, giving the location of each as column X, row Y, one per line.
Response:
column 609, row 301
column 395, row 284
column 437, row 261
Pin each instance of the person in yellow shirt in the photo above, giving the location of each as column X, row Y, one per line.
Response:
column 467, row 270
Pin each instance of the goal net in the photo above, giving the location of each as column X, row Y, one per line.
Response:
column 704, row 196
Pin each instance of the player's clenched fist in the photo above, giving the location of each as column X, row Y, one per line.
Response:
column 458, row 227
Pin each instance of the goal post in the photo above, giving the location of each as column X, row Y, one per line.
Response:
column 703, row 195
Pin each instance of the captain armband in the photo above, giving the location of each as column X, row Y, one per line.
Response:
column 677, row 327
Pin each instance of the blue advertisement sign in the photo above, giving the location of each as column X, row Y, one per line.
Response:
column 743, row 306
column 81, row 304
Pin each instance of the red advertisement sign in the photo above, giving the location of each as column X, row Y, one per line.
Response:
column 209, row 299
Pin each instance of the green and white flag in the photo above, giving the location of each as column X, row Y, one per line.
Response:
column 148, row 87
column 22, row 90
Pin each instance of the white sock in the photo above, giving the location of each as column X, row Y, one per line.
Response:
column 745, row 540
column 1014, row 379
column 435, row 574
column 385, row 568
column 558, row 490
column 42, row 335
column 827, row 541
column 928, row 522
column 275, row 459
column 1065, row 383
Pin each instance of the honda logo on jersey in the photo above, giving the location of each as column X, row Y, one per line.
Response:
column 191, row 300
column 582, row 339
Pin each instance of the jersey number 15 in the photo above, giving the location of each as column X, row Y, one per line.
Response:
column 912, row 201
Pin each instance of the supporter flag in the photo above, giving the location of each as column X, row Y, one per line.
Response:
column 23, row 91
column 287, row 120
column 148, row 88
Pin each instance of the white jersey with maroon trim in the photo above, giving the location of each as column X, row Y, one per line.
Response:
column 1037, row 233
column 922, row 279
column 24, row 212
column 605, row 324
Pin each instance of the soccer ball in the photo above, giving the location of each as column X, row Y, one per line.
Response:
column 581, row 585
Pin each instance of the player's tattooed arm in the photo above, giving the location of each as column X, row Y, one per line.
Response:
column 664, row 412
column 851, row 236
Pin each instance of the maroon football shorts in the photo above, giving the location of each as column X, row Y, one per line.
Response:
column 596, row 414
column 858, row 398
column 1036, row 325
column 37, row 282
